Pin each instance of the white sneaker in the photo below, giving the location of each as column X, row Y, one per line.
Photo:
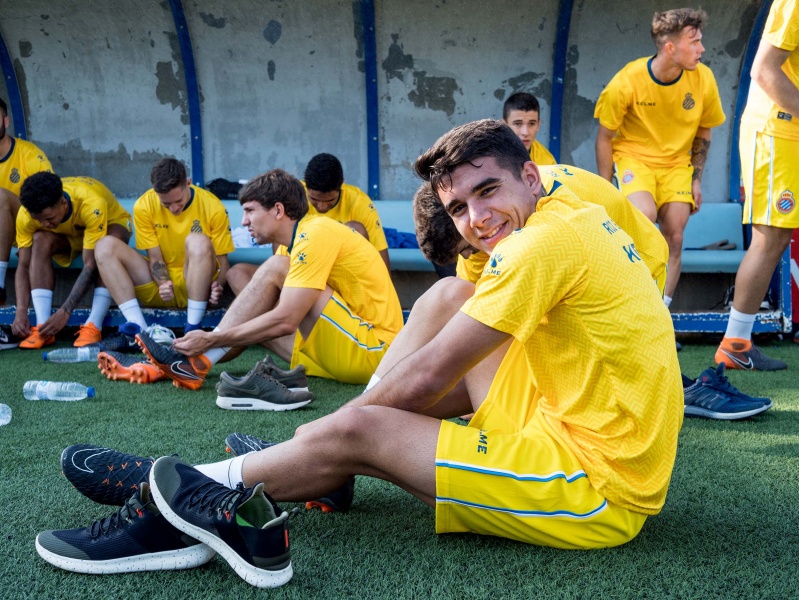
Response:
column 160, row 334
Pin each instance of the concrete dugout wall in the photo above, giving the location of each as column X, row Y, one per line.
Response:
column 106, row 88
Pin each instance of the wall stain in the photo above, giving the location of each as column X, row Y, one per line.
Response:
column 270, row 70
column 578, row 113
column 357, row 32
column 25, row 48
column 543, row 24
column 435, row 93
column 65, row 106
column 171, row 87
column 735, row 48
column 212, row 21
column 530, row 81
column 397, row 60
column 273, row 31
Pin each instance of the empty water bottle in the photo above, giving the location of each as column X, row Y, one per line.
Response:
column 5, row 414
column 72, row 355
column 56, row 390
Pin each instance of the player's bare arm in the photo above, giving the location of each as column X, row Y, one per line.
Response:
column 699, row 150
column 85, row 280
column 768, row 74
column 160, row 274
column 21, row 326
column 420, row 380
column 604, row 152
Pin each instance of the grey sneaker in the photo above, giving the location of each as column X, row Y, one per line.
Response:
column 295, row 379
column 257, row 390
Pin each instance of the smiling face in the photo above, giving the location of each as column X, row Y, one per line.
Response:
column 487, row 203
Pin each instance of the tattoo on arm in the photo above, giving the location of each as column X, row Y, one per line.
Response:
column 160, row 272
column 699, row 156
column 86, row 278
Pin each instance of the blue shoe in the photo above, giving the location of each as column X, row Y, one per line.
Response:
column 135, row 538
column 339, row 500
column 189, row 327
column 103, row 474
column 708, row 397
column 243, row 525
column 718, row 380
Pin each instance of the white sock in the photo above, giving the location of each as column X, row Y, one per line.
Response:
column 101, row 302
column 740, row 325
column 132, row 312
column 195, row 311
column 214, row 355
column 227, row 472
column 3, row 269
column 667, row 300
column 372, row 383
column 42, row 304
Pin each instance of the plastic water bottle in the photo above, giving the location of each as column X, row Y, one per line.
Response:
column 67, row 391
column 5, row 414
column 73, row 355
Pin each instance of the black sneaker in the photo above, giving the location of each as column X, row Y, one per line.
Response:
column 257, row 390
column 339, row 500
column 184, row 371
column 703, row 398
column 295, row 379
column 241, row 443
column 243, row 525
column 124, row 340
column 103, row 474
column 7, row 339
column 135, row 538
column 717, row 379
column 3, row 295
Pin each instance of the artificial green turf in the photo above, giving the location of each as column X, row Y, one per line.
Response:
column 729, row 527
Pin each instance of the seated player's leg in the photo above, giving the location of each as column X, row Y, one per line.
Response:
column 199, row 271
column 238, row 276
column 637, row 182
column 260, row 294
column 122, row 270
column 9, row 207
column 675, row 203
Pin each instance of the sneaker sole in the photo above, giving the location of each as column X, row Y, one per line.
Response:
column 172, row 560
column 9, row 346
column 695, row 411
column 260, row 578
column 116, row 372
column 254, row 404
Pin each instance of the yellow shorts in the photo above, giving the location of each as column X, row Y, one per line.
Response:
column 665, row 184
column 771, row 179
column 147, row 294
column 508, row 474
column 341, row 346
column 76, row 245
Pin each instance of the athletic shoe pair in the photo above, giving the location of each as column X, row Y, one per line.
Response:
column 712, row 396
column 264, row 387
column 116, row 365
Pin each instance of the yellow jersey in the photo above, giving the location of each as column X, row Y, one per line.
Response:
column 355, row 205
column 656, row 122
column 540, row 155
column 92, row 208
column 23, row 160
column 598, row 340
column 761, row 113
column 471, row 269
column 323, row 252
column 156, row 226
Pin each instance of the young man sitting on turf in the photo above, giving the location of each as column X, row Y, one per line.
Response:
column 565, row 291
column 332, row 307
column 59, row 220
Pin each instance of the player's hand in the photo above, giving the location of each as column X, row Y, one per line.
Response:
column 21, row 327
column 696, row 192
column 54, row 324
column 216, row 292
column 167, row 291
column 193, row 343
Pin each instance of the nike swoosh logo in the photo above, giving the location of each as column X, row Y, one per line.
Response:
column 175, row 367
column 84, row 467
column 744, row 365
column 3, row 337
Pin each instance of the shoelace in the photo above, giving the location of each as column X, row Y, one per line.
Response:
column 261, row 371
column 213, row 497
column 124, row 515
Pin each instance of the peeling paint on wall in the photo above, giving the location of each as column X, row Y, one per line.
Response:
column 397, row 60
column 736, row 47
column 25, row 48
column 357, row 32
column 580, row 111
column 530, row 81
column 270, row 70
column 435, row 93
column 212, row 21
column 273, row 31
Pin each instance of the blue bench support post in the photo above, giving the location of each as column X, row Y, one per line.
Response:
column 370, row 73
column 558, row 76
column 14, row 95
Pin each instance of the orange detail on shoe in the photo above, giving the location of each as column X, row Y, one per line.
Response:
column 142, row 372
column 88, row 334
column 124, row 466
column 139, row 512
column 314, row 504
column 35, row 341
column 736, row 344
column 227, row 449
column 106, row 482
column 119, row 484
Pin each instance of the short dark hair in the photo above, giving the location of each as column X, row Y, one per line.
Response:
column 40, row 191
column 324, row 173
column 520, row 101
column 669, row 24
column 3, row 107
column 276, row 186
column 167, row 174
column 466, row 144
column 435, row 231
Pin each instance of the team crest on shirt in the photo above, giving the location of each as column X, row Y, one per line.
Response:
column 689, row 102
column 786, row 202
column 493, row 264
column 196, row 227
column 628, row 176
column 14, row 176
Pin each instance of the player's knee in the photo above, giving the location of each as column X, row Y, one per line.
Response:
column 198, row 245
column 106, row 247
column 273, row 271
column 446, row 295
